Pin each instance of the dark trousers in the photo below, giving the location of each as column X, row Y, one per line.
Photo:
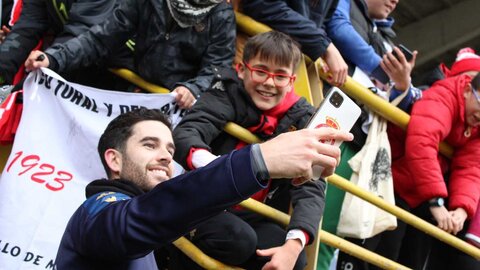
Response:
column 386, row 244
column 234, row 238
column 421, row 251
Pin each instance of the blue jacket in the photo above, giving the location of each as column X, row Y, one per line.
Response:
column 298, row 18
column 118, row 227
column 348, row 41
column 362, row 46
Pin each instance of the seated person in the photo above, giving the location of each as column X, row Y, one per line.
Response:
column 178, row 43
column 259, row 97
column 141, row 208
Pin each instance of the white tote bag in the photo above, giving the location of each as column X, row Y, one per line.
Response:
column 371, row 171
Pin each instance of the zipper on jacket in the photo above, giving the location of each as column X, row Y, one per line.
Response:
column 170, row 25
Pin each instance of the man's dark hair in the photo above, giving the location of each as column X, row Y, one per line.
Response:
column 120, row 129
column 273, row 46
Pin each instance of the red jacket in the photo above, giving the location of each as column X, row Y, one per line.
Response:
column 418, row 175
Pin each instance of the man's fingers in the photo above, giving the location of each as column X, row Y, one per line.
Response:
column 332, row 134
column 265, row 252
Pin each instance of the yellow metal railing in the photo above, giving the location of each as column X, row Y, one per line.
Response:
column 325, row 237
column 199, row 257
column 378, row 105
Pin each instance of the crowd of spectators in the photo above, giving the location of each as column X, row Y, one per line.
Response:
column 188, row 47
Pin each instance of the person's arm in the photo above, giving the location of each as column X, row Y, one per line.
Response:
column 133, row 228
column 465, row 178
column 407, row 102
column 94, row 44
column 350, row 44
column 24, row 36
column 84, row 14
column 430, row 123
column 220, row 51
column 278, row 15
column 308, row 201
column 202, row 124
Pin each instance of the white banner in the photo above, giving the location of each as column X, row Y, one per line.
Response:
column 54, row 157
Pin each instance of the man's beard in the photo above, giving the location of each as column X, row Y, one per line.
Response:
column 135, row 174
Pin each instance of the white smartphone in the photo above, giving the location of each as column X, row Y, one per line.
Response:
column 337, row 111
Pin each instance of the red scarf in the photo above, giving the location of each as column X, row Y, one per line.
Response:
column 267, row 125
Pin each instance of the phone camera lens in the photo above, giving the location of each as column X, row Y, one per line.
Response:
column 336, row 100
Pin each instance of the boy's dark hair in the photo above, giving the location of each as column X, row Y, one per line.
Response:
column 120, row 129
column 476, row 82
column 273, row 46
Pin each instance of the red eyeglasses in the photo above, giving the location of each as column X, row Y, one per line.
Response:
column 260, row 76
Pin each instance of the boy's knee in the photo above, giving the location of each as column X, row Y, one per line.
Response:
column 233, row 243
column 240, row 245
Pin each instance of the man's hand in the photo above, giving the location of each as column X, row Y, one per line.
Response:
column 398, row 69
column 443, row 218
column 336, row 65
column 36, row 60
column 283, row 257
column 3, row 33
column 184, row 98
column 293, row 154
column 459, row 216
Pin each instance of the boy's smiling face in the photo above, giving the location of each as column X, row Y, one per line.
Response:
column 269, row 93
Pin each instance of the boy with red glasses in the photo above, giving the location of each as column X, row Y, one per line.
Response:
column 258, row 96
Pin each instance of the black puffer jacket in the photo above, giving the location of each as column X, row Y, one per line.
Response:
column 227, row 101
column 64, row 19
column 6, row 9
column 165, row 53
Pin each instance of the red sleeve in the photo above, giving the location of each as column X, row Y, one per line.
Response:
column 190, row 155
column 464, row 182
column 307, row 237
column 430, row 123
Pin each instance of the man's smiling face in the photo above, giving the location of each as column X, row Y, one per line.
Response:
column 148, row 154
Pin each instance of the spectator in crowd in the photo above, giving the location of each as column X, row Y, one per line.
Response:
column 140, row 208
column 177, row 43
column 362, row 31
column 54, row 22
column 459, row 194
column 467, row 62
column 259, row 97
column 443, row 190
column 304, row 21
